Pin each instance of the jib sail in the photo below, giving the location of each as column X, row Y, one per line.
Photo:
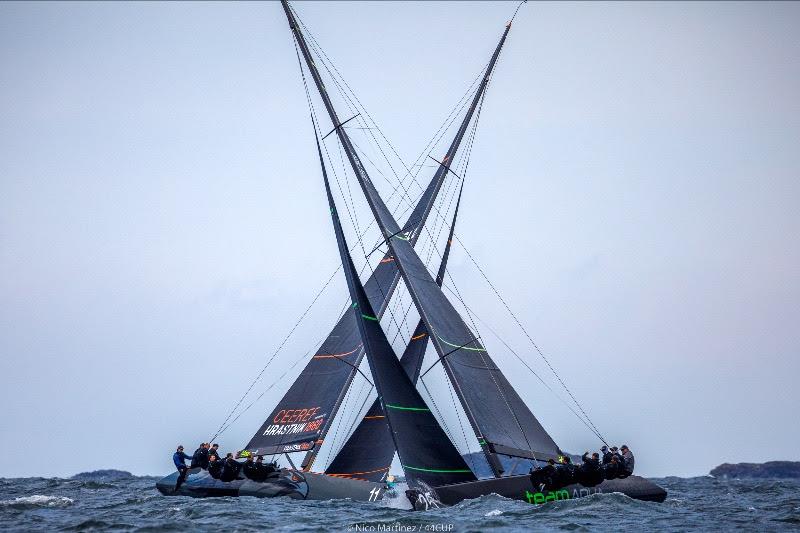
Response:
column 425, row 452
column 369, row 451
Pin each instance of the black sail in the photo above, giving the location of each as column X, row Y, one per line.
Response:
column 301, row 419
column 369, row 451
column 427, row 455
column 502, row 422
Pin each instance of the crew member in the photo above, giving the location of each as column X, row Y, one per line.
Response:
column 250, row 469
column 200, row 457
column 214, row 467
column 214, row 451
column 544, row 478
column 180, row 458
column 606, row 454
column 611, row 470
column 627, row 462
column 230, row 470
column 589, row 472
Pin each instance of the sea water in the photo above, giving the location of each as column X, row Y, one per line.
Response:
column 133, row 504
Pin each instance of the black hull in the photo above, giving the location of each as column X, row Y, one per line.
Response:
column 521, row 488
column 291, row 483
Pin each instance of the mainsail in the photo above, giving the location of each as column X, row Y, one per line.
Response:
column 301, row 419
column 427, row 455
column 500, row 419
column 369, row 451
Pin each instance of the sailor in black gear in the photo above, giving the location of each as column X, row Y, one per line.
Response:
column 200, row 457
column 566, row 474
column 230, row 470
column 606, row 455
column 250, row 470
column 615, row 451
column 611, row 470
column 627, row 462
column 543, row 478
column 589, row 472
column 215, row 467
column 213, row 451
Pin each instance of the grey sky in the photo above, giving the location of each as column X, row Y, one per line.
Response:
column 632, row 191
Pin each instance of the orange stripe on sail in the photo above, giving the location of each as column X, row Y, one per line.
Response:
column 334, row 355
column 418, row 336
column 351, row 474
column 373, row 417
column 387, row 260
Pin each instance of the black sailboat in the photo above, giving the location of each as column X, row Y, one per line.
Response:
column 400, row 420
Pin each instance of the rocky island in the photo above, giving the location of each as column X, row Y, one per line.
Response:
column 103, row 475
column 770, row 469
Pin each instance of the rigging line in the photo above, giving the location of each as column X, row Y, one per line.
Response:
column 321, row 53
column 453, row 400
column 516, row 10
column 525, row 331
column 229, row 424
column 352, row 425
column 302, row 316
column 352, row 107
column 280, row 346
column 443, row 423
column 340, row 417
column 536, row 374
column 353, row 214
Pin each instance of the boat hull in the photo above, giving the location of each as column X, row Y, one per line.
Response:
column 286, row 482
column 521, row 488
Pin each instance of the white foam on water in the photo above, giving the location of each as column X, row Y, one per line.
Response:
column 396, row 497
column 495, row 512
column 39, row 500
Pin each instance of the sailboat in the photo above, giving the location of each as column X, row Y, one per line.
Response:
column 400, row 420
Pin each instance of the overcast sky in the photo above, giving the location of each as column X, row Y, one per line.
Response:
column 633, row 192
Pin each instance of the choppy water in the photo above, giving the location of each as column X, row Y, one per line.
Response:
column 706, row 504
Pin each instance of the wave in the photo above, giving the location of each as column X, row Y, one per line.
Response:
column 37, row 501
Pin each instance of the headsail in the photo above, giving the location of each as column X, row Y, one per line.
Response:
column 425, row 452
column 369, row 451
column 300, row 421
column 500, row 419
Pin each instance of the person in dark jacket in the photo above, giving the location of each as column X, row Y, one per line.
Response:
column 180, row 458
column 250, row 470
column 606, row 455
column 230, row 470
column 543, row 478
column 627, row 462
column 200, row 457
column 214, row 467
column 214, row 451
column 611, row 470
column 589, row 472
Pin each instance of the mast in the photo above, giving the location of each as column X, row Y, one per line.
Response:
column 399, row 242
column 427, row 455
column 412, row 228
column 368, row 453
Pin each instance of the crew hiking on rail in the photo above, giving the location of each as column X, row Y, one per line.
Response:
column 206, row 457
column 614, row 464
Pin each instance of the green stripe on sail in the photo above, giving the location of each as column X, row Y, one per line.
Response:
column 440, row 470
column 401, row 408
column 459, row 347
column 369, row 317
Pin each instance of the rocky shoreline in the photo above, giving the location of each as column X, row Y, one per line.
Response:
column 768, row 470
